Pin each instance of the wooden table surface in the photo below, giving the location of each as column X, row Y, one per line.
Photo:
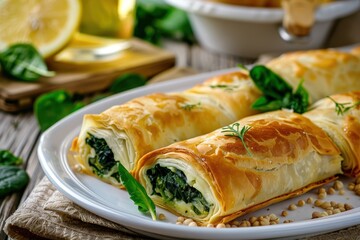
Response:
column 19, row 132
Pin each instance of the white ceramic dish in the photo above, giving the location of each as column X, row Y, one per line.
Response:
column 114, row 204
column 251, row 31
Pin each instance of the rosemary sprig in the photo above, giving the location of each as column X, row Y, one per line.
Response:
column 342, row 108
column 234, row 130
column 189, row 106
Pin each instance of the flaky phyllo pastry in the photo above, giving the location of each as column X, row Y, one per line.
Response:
column 254, row 162
column 342, row 125
column 126, row 132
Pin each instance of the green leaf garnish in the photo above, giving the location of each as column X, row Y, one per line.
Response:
column 137, row 192
column 277, row 94
column 53, row 106
column 156, row 20
column 234, row 130
column 8, row 159
column 23, row 62
column 342, row 108
column 12, row 179
column 126, row 82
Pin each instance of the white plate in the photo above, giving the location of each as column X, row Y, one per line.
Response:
column 114, row 204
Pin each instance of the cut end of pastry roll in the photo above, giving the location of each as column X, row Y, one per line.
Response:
column 339, row 116
column 100, row 146
column 213, row 178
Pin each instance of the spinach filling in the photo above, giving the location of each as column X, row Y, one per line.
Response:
column 172, row 185
column 103, row 163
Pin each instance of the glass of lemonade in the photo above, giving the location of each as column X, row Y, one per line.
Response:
column 105, row 30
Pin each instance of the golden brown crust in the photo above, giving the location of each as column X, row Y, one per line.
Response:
column 344, row 128
column 285, row 148
column 324, row 72
column 156, row 120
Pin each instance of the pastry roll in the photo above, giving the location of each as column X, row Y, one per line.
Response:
column 222, row 175
column 325, row 72
column 126, row 132
column 339, row 117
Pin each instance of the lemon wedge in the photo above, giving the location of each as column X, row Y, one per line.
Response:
column 47, row 24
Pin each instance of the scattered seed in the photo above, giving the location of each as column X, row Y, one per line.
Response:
column 292, row 207
column 301, row 203
column 331, row 191
column 180, row 219
column 338, row 185
column 162, row 216
column 220, row 225
column 309, row 200
column 322, row 195
column 284, row 213
column 187, row 221
column 192, row 224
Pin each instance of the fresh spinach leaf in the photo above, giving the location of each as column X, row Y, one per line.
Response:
column 277, row 93
column 7, row 158
column 268, row 82
column 137, row 192
column 156, row 20
column 172, row 185
column 126, row 82
column 23, row 62
column 53, row 106
column 12, row 179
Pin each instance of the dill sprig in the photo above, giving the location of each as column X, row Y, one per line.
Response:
column 189, row 106
column 342, row 108
column 234, row 130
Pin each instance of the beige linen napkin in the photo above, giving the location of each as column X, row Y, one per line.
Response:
column 47, row 214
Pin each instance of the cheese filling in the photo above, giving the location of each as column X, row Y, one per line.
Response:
column 102, row 161
column 172, row 185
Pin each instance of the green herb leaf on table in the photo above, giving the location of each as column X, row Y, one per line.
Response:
column 8, row 159
column 137, row 192
column 277, row 93
column 156, row 20
column 342, row 108
column 53, row 106
column 126, row 82
column 12, row 179
column 234, row 130
column 23, row 62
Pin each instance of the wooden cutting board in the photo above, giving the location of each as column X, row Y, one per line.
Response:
column 83, row 78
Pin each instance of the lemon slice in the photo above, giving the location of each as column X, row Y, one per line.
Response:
column 47, row 24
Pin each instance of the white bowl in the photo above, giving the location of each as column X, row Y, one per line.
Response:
column 251, row 31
